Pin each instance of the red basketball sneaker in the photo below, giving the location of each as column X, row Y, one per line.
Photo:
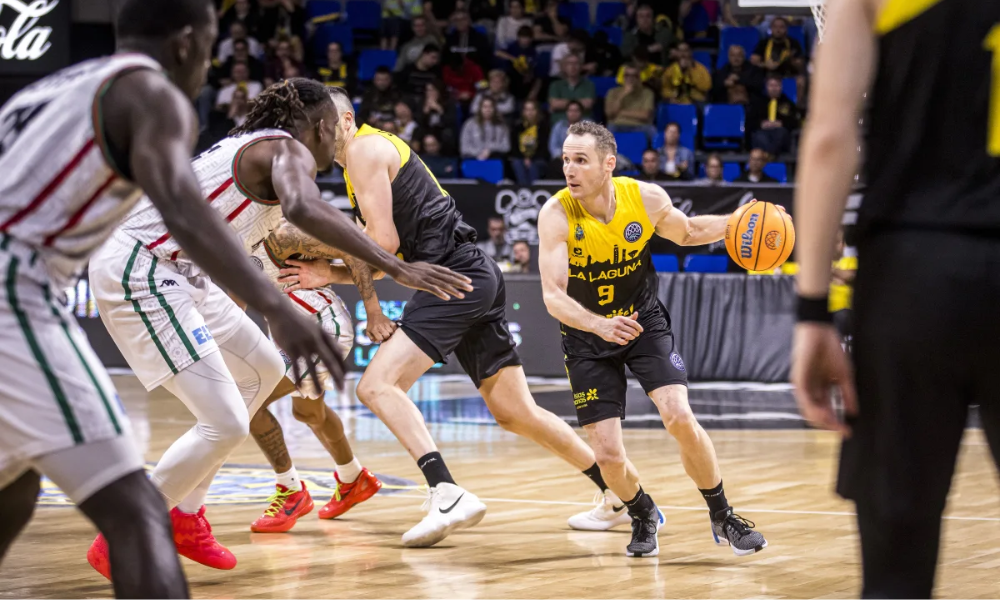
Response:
column 194, row 540
column 285, row 509
column 97, row 556
column 349, row 494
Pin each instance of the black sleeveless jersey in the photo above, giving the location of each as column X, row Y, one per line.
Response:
column 933, row 141
column 427, row 222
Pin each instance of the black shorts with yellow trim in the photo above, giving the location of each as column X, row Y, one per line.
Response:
column 599, row 384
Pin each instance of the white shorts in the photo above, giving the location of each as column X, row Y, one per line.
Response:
column 329, row 310
column 54, row 392
column 162, row 317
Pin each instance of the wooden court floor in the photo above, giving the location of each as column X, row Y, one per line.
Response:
column 781, row 479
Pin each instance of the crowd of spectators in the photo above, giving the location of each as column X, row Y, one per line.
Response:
column 503, row 79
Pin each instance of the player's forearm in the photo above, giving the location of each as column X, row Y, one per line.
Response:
column 569, row 312
column 362, row 276
column 829, row 160
column 705, row 229
column 331, row 227
column 287, row 240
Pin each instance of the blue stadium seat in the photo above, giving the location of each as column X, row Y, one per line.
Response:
column 322, row 10
column 778, row 170
column 333, row 32
column 744, row 36
column 602, row 85
column 615, row 35
column 724, row 126
column 796, row 32
column 364, row 14
column 578, row 14
column 481, row 29
column 632, row 144
column 490, row 170
column 685, row 115
column 706, row 263
column 608, row 12
column 705, row 58
column 791, row 90
column 666, row 263
column 369, row 60
column 696, row 22
column 731, row 171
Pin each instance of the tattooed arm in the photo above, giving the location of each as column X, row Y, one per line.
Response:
column 379, row 326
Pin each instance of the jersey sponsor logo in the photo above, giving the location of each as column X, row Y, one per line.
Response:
column 580, row 399
column 168, row 283
column 746, row 239
column 24, row 39
column 622, row 271
column 202, row 335
column 633, row 232
column 675, row 359
column 578, row 251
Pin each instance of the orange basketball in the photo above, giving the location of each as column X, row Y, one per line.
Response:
column 759, row 236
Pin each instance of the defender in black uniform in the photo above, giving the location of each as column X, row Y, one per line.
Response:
column 927, row 336
column 404, row 209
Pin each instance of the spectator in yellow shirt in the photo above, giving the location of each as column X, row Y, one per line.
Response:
column 686, row 81
column 648, row 72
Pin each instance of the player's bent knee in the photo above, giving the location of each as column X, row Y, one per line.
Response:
column 308, row 411
column 609, row 456
column 229, row 430
column 682, row 424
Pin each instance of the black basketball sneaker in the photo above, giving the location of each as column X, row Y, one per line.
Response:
column 644, row 540
column 730, row 529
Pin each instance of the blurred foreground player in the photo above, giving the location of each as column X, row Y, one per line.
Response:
column 928, row 282
column 599, row 282
column 77, row 149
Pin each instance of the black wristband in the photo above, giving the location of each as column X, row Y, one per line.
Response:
column 813, row 310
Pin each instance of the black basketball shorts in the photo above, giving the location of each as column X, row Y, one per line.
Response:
column 599, row 384
column 474, row 327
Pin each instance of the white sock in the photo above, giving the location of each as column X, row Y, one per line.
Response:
column 290, row 479
column 349, row 472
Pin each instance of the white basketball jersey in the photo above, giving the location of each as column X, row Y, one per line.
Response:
column 310, row 302
column 250, row 217
column 59, row 191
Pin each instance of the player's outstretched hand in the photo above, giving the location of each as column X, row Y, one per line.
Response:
column 304, row 274
column 819, row 363
column 303, row 338
column 433, row 279
column 620, row 330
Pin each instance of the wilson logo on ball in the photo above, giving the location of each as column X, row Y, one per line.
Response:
column 746, row 245
column 772, row 240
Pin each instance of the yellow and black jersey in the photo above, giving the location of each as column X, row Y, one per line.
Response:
column 933, row 141
column 610, row 266
column 427, row 222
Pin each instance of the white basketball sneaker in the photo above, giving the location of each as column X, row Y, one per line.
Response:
column 608, row 512
column 449, row 508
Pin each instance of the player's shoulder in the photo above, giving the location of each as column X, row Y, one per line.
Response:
column 553, row 217
column 370, row 149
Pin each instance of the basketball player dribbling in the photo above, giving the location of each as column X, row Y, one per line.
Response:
column 927, row 340
column 176, row 328
column 77, row 149
column 355, row 484
column 599, row 282
column 405, row 210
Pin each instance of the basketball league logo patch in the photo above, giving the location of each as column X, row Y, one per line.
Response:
column 633, row 231
column 675, row 359
column 772, row 240
column 579, row 233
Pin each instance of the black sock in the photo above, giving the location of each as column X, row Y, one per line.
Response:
column 641, row 506
column 594, row 472
column 716, row 499
column 434, row 469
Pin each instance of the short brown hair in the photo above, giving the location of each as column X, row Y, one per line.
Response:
column 604, row 141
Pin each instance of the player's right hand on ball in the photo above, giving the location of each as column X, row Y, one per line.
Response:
column 620, row 330
column 433, row 279
column 301, row 337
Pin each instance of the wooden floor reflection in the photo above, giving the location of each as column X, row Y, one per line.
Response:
column 781, row 479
